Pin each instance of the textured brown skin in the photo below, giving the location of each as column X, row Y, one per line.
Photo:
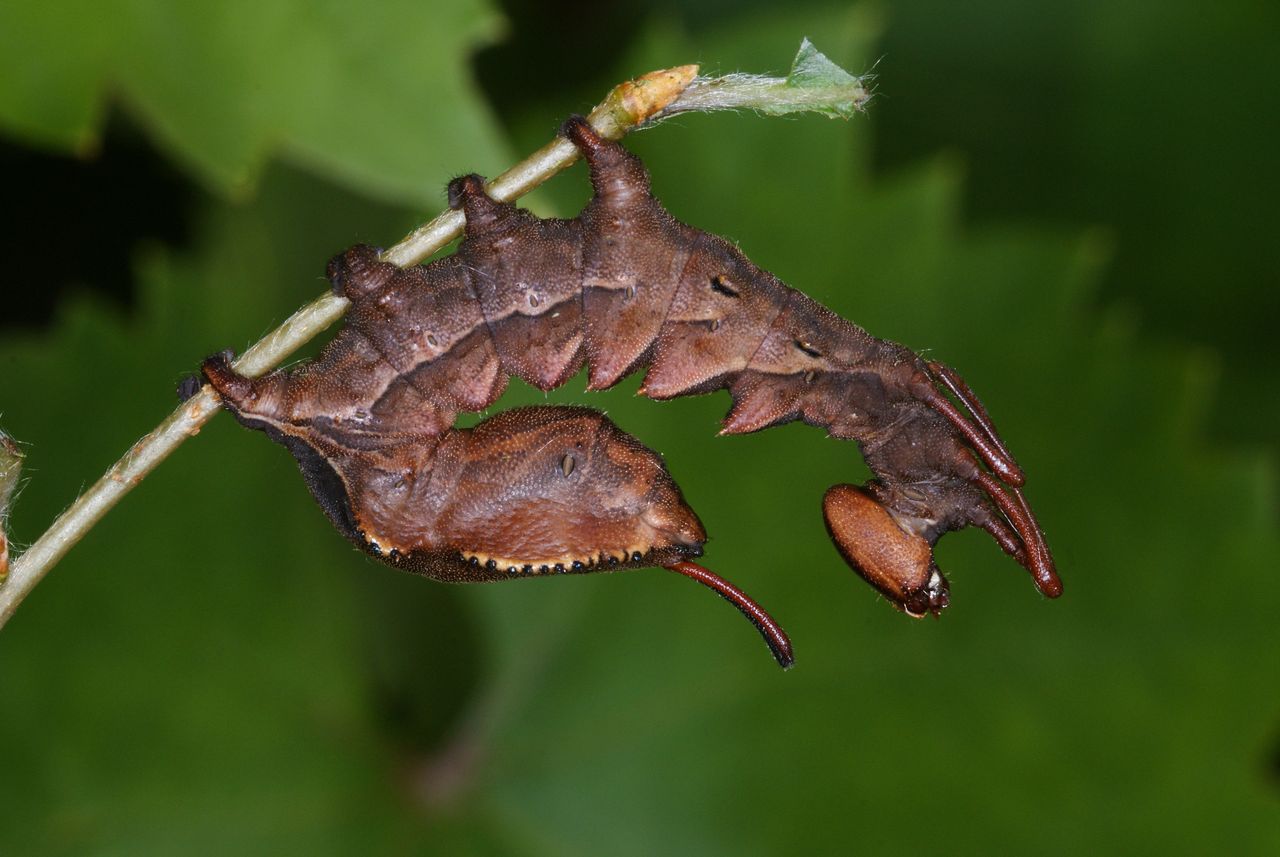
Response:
column 542, row 490
column 622, row 286
column 891, row 559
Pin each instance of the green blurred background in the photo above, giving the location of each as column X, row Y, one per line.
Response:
column 1072, row 202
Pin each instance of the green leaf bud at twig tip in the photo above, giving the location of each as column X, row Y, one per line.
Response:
column 10, row 470
column 814, row 85
column 634, row 102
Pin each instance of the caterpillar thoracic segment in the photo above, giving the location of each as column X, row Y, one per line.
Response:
column 549, row 490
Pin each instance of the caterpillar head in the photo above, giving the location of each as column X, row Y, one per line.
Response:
column 889, row 555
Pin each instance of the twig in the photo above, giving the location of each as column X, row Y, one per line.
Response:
column 630, row 105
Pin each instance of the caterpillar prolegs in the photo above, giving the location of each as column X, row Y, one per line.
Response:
column 562, row 490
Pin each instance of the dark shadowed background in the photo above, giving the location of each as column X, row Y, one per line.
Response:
column 1071, row 202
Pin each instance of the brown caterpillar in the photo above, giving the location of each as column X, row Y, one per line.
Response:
column 550, row 489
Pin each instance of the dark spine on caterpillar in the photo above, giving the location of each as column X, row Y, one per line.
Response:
column 622, row 286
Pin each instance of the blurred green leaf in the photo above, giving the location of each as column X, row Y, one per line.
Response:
column 360, row 93
column 1145, row 118
column 214, row 670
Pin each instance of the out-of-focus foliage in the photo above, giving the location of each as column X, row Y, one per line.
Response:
column 377, row 95
column 1151, row 118
column 213, row 670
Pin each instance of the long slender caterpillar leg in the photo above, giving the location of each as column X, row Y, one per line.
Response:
column 961, row 390
column 1036, row 558
column 1005, row 537
column 991, row 452
column 774, row 637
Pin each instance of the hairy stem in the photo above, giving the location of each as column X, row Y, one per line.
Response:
column 630, row 105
